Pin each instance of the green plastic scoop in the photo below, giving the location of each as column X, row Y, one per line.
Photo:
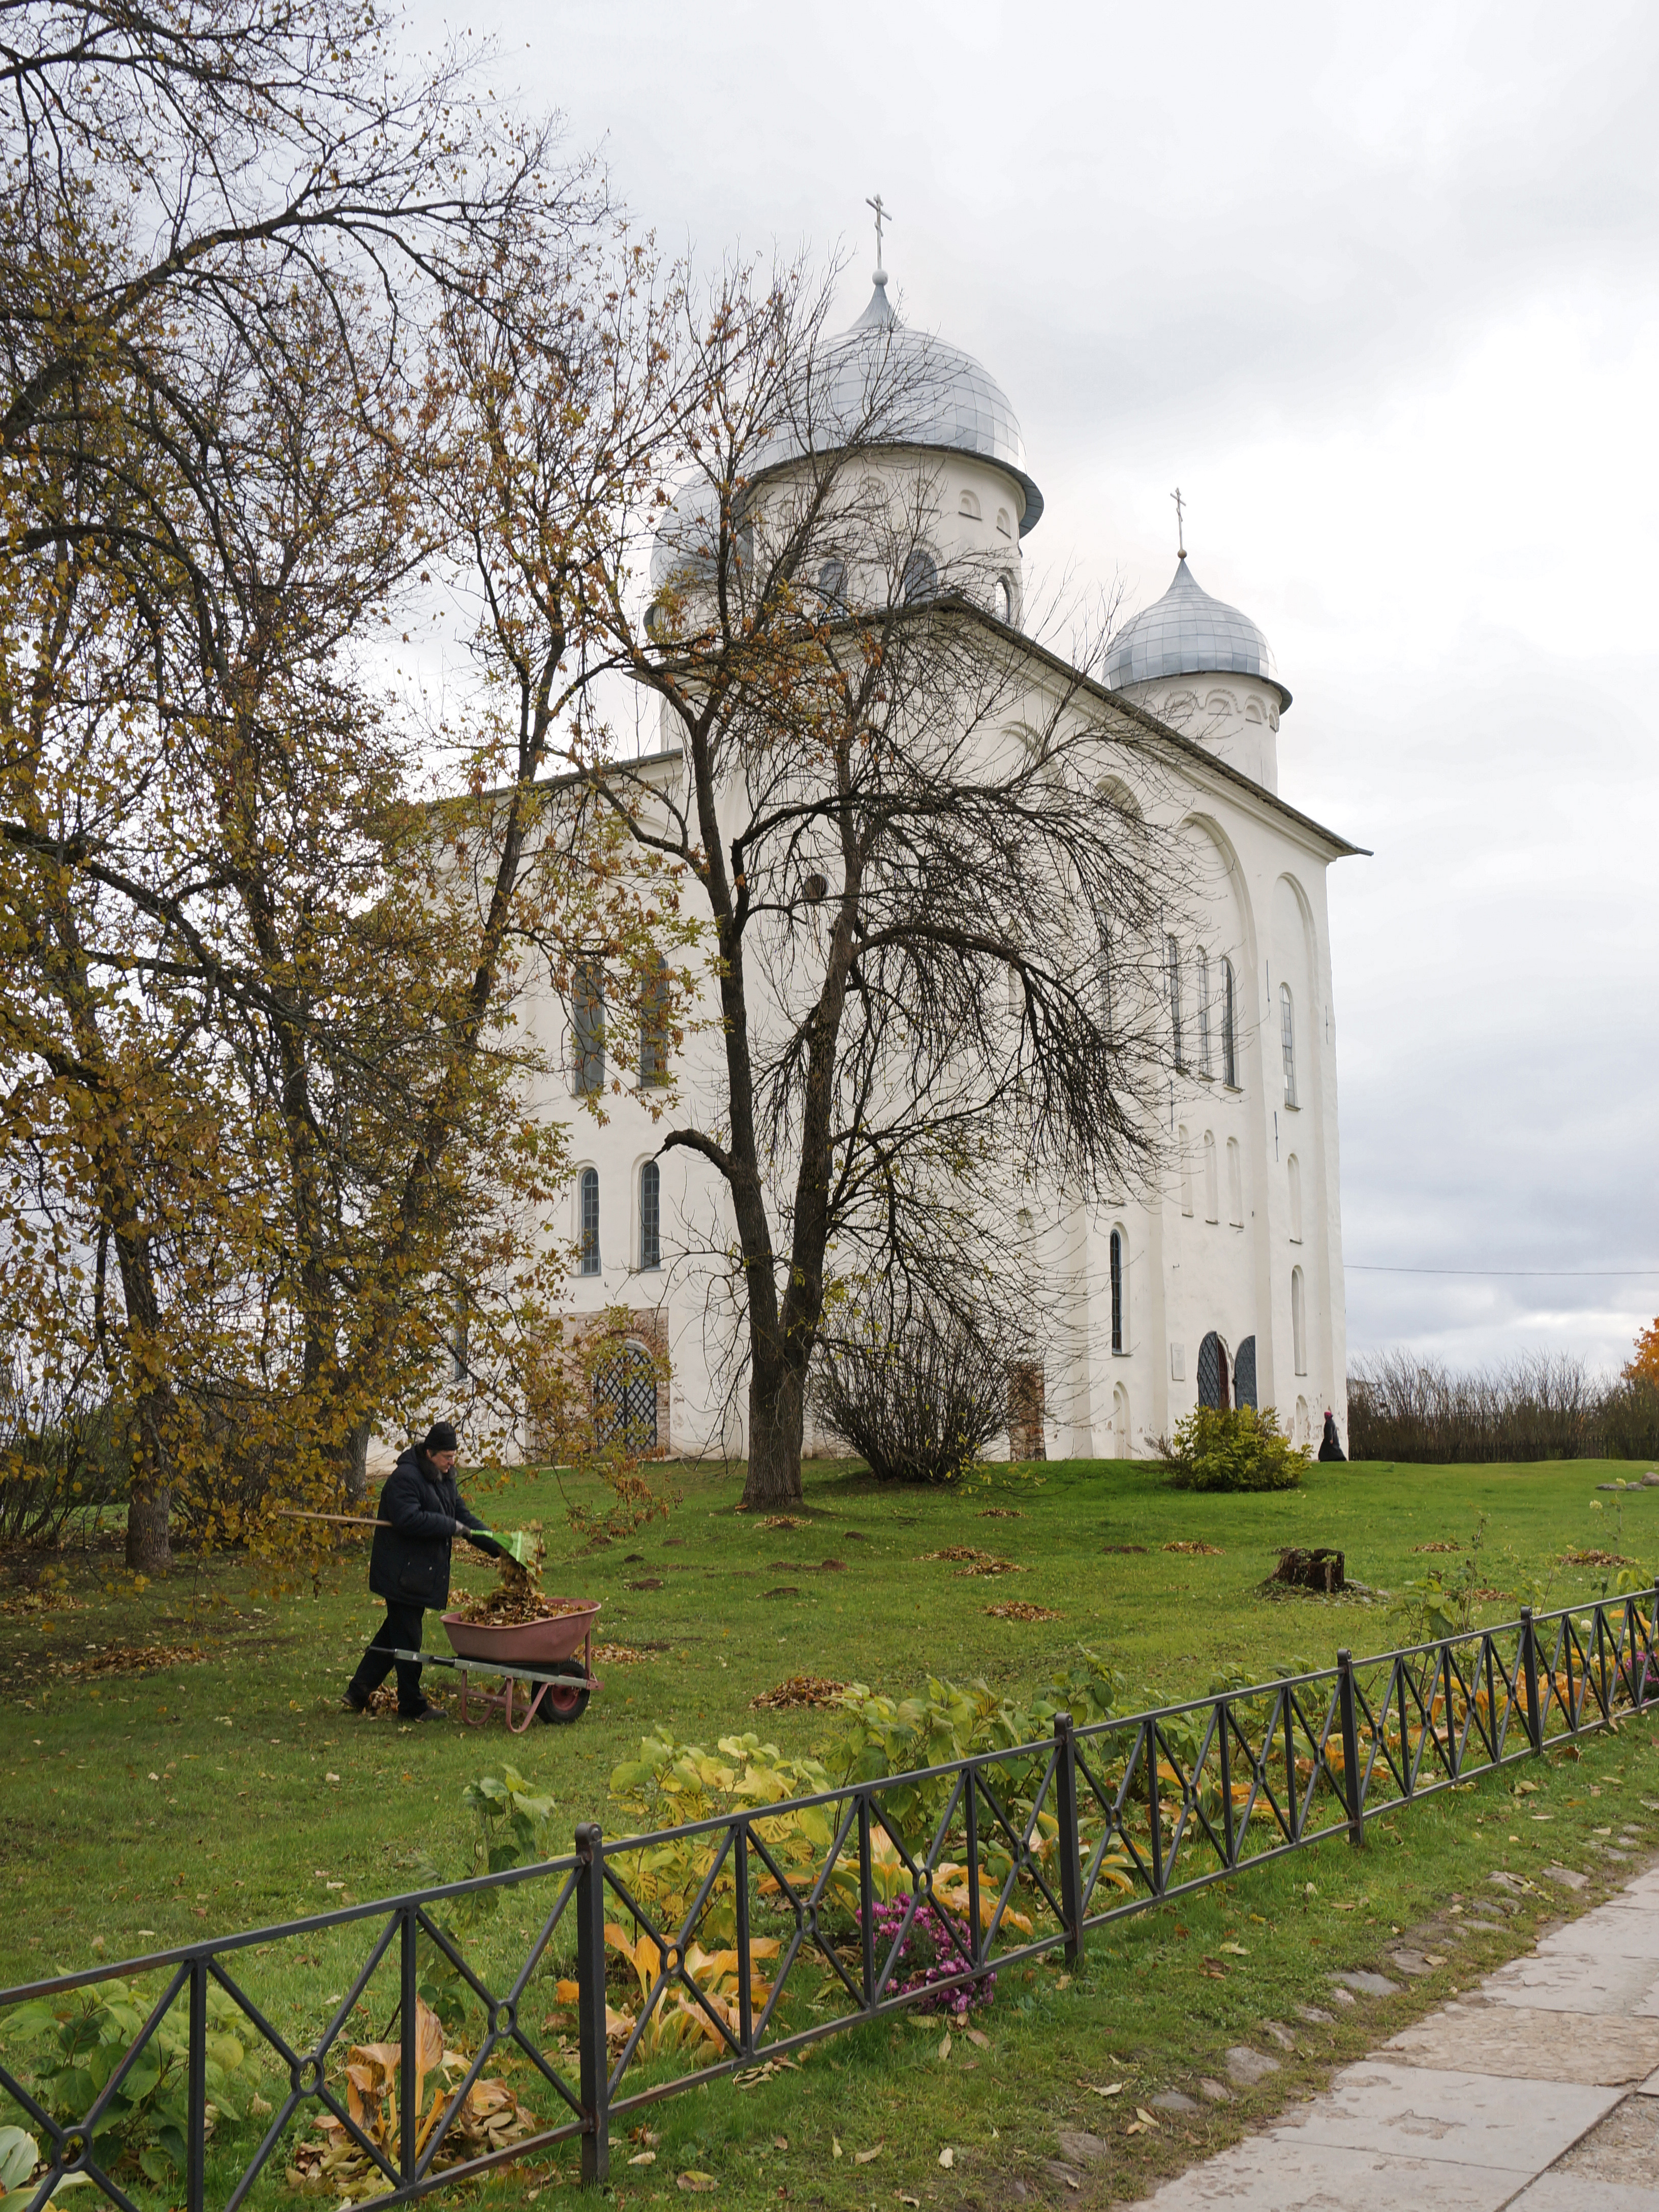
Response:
column 518, row 1543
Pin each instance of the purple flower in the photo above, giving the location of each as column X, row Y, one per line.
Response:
column 936, row 1947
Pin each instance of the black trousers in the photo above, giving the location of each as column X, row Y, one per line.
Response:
column 399, row 1631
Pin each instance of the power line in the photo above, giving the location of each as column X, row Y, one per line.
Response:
column 1550, row 1274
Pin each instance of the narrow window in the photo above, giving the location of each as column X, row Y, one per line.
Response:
column 650, row 1216
column 587, row 1025
column 1186, row 1172
column 1212, row 1210
column 589, row 1188
column 832, row 584
column 1204, row 1013
column 1003, row 523
column 1228, row 1026
column 1104, row 972
column 1117, row 1253
column 1293, row 1167
column 1235, row 1185
column 654, row 1023
column 1287, row 1042
column 969, row 504
column 921, row 581
column 1172, row 969
column 1298, row 1322
column 1120, row 1421
column 1005, row 600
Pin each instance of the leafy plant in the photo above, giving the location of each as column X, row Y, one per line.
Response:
column 1232, row 1448
column 88, row 2034
column 512, row 1821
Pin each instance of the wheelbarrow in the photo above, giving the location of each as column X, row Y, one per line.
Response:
column 541, row 1654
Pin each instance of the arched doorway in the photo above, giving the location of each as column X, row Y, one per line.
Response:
column 1244, row 1374
column 1213, row 1377
column 625, row 1399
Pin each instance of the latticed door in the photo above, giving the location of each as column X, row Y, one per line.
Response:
column 1212, row 1372
column 625, row 1399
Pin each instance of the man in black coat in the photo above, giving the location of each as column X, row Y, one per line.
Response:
column 422, row 1512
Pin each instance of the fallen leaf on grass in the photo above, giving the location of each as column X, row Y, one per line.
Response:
column 1017, row 1608
column 780, row 2142
column 1236, row 1950
column 864, row 2157
column 696, row 2181
column 947, row 2157
column 643, row 2158
column 904, row 2199
column 834, row 2146
column 944, row 2048
column 1111, row 2089
column 798, row 1689
column 1190, row 1548
column 978, row 2038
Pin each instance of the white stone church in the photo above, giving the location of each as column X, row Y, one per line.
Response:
column 1225, row 1285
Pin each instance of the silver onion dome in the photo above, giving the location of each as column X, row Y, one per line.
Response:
column 1187, row 633
column 945, row 402
column 942, row 401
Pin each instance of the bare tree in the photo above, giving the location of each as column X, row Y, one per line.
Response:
column 899, row 818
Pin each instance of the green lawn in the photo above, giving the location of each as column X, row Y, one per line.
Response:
column 137, row 1812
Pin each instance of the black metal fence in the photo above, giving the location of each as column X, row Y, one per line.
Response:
column 734, row 1941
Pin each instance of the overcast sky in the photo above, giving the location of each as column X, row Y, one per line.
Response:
column 1376, row 289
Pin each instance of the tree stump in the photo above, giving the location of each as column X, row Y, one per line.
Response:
column 1318, row 1570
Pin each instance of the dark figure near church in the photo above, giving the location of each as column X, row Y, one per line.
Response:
column 1330, row 1444
column 421, row 1513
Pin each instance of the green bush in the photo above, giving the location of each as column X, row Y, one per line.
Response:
column 1237, row 1448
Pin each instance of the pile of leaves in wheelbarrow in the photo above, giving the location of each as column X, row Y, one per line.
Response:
column 518, row 1596
column 488, row 2118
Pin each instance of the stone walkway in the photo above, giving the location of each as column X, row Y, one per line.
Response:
column 1538, row 2090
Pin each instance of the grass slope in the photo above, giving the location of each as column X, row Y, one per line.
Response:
column 138, row 1812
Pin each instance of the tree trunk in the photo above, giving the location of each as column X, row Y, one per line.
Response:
column 150, row 1501
column 356, row 1481
column 777, row 1400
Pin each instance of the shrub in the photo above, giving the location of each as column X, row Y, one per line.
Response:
column 1543, row 1405
column 917, row 1396
column 1237, row 1448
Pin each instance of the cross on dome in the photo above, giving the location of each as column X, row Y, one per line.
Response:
column 883, row 215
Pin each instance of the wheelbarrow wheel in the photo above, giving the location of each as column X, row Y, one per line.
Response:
column 564, row 1702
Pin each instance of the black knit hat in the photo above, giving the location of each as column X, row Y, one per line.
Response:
column 439, row 1437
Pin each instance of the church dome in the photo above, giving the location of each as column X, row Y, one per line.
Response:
column 948, row 402
column 1187, row 633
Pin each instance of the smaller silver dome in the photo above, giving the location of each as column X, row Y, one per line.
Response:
column 1187, row 633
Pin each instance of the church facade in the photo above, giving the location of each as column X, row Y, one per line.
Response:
column 1221, row 1282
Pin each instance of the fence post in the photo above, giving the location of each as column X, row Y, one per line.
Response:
column 1529, row 1675
column 196, row 2101
column 1068, row 1842
column 590, row 2010
column 1648, row 1669
column 408, row 2011
column 1353, row 1780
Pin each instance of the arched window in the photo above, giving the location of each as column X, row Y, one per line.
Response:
column 1287, row 1042
column 588, row 1026
column 1293, row 1173
column 1298, row 1322
column 920, row 579
column 1244, row 1373
column 1186, row 1171
column 650, row 1216
column 588, row 1219
column 1228, row 1026
column 1212, row 1207
column 1204, row 1011
column 1172, row 976
column 1116, row 1261
column 1003, row 524
column 832, row 584
column 1235, row 1184
column 969, row 505
column 653, row 1022
column 1005, row 600
column 1120, row 1423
